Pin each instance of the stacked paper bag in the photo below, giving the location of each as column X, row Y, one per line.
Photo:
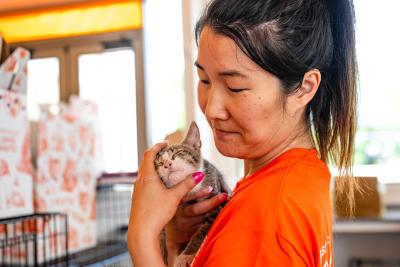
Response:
column 15, row 159
column 69, row 161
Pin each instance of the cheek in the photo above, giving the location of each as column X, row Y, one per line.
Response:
column 202, row 98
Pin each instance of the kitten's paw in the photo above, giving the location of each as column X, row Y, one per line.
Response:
column 183, row 260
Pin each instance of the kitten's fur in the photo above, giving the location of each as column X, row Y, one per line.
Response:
column 173, row 164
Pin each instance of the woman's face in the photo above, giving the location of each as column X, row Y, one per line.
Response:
column 243, row 103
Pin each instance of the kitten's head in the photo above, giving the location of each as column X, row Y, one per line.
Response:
column 175, row 162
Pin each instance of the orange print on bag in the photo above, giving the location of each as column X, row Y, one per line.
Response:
column 69, row 118
column 72, row 237
column 9, row 65
column 54, row 168
column 13, row 103
column 58, row 143
column 25, row 165
column 70, row 179
column 43, row 146
column 84, row 201
column 4, row 169
column 16, row 200
column 39, row 203
column 93, row 211
column 84, row 134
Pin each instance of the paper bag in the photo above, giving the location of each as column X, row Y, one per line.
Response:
column 15, row 160
column 68, row 166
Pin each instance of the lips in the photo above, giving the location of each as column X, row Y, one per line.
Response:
column 222, row 130
column 223, row 133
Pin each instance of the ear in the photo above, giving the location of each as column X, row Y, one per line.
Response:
column 192, row 138
column 308, row 87
column 297, row 101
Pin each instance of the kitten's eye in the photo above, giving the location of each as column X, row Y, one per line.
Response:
column 176, row 154
column 236, row 90
column 158, row 164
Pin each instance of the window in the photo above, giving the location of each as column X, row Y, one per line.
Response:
column 378, row 136
column 43, row 84
column 106, row 69
column 108, row 79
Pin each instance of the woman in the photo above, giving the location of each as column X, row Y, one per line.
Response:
column 277, row 86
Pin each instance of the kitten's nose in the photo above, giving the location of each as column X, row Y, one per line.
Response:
column 167, row 164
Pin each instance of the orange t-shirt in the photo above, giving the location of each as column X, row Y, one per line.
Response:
column 279, row 216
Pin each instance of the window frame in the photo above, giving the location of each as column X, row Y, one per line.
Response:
column 67, row 50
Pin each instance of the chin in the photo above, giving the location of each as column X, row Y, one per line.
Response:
column 228, row 150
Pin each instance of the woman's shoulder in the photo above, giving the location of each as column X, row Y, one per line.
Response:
column 297, row 169
column 306, row 178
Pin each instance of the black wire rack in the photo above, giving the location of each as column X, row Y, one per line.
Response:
column 360, row 262
column 113, row 202
column 42, row 240
column 34, row 240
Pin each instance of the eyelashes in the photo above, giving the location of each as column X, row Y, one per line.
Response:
column 158, row 164
column 176, row 154
column 233, row 90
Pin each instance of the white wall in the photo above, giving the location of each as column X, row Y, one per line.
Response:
column 164, row 67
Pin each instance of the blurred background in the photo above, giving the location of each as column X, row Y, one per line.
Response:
column 134, row 60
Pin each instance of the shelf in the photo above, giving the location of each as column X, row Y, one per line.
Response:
column 388, row 223
column 107, row 254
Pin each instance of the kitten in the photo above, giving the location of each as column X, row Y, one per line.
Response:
column 173, row 164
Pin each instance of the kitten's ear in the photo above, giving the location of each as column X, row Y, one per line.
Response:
column 192, row 138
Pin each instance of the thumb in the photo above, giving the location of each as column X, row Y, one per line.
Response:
column 188, row 184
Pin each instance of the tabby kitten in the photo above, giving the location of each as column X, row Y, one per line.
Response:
column 173, row 164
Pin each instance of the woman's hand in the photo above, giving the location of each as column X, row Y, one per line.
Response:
column 189, row 217
column 153, row 206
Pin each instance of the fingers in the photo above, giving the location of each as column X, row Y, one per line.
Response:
column 204, row 206
column 147, row 164
column 151, row 153
column 198, row 194
column 186, row 185
column 190, row 221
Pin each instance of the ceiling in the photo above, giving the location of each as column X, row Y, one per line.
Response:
column 17, row 5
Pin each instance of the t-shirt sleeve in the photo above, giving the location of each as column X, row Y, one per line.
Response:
column 252, row 247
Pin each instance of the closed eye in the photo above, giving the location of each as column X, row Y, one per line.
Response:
column 158, row 164
column 176, row 154
column 205, row 82
column 236, row 90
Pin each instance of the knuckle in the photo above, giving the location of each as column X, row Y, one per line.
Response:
column 192, row 210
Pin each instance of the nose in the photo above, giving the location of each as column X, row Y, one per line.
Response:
column 167, row 164
column 216, row 108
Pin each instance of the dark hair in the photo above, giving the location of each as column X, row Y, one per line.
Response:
column 290, row 37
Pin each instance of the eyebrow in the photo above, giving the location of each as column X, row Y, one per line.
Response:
column 230, row 73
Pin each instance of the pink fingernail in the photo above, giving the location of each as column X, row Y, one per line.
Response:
column 223, row 196
column 197, row 177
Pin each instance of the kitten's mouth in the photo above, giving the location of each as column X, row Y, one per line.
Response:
column 175, row 170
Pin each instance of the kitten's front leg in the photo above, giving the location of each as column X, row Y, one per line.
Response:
column 186, row 257
column 170, row 251
column 184, row 260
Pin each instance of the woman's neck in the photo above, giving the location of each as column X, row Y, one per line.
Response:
column 299, row 141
